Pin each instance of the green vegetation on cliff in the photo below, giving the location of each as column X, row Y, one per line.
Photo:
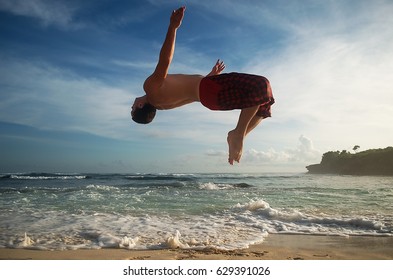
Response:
column 370, row 162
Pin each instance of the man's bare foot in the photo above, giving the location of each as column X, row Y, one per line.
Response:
column 235, row 143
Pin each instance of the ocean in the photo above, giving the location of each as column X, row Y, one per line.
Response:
column 155, row 211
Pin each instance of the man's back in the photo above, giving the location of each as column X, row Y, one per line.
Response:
column 176, row 90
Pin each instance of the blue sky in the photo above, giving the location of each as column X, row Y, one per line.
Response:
column 70, row 71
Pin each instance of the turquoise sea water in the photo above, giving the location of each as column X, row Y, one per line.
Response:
column 152, row 211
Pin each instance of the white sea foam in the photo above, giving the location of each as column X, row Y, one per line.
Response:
column 113, row 231
column 294, row 221
column 128, row 243
column 213, row 186
column 209, row 186
column 173, row 242
column 48, row 177
column 245, row 225
column 255, row 205
column 25, row 242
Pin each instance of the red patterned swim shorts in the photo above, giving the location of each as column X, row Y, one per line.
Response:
column 236, row 91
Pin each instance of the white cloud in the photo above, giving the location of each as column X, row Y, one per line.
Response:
column 335, row 79
column 265, row 157
column 46, row 97
column 305, row 150
column 303, row 153
column 136, row 64
column 47, row 11
column 214, row 153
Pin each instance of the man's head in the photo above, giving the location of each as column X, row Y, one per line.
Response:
column 142, row 111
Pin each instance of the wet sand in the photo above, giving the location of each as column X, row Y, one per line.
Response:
column 275, row 247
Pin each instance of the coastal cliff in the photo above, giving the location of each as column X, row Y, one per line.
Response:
column 370, row 162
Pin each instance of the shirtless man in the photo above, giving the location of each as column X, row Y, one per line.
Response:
column 250, row 93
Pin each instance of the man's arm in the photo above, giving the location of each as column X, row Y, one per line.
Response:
column 167, row 49
column 217, row 68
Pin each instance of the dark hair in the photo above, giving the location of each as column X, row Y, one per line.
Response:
column 145, row 114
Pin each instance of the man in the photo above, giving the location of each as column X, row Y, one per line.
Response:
column 250, row 93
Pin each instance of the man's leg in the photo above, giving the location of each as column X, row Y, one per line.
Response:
column 247, row 121
column 255, row 121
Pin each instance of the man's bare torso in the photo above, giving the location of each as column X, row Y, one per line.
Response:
column 175, row 91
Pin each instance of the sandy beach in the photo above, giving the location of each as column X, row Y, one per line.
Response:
column 275, row 247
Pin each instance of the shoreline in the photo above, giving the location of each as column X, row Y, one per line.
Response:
column 275, row 247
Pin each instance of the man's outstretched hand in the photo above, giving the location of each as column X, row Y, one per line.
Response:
column 217, row 68
column 177, row 17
